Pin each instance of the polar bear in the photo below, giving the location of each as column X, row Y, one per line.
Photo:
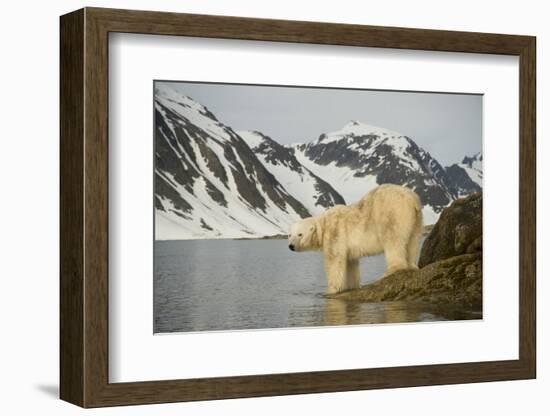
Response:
column 387, row 220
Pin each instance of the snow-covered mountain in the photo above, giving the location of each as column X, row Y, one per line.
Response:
column 208, row 182
column 313, row 192
column 359, row 157
column 467, row 177
column 213, row 182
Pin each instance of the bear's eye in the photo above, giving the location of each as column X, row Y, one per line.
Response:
column 299, row 235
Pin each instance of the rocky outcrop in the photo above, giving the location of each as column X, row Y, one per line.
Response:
column 458, row 231
column 450, row 261
column 456, row 280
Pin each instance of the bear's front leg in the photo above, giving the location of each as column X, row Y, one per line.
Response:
column 336, row 270
column 353, row 276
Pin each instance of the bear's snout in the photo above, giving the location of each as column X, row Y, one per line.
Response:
column 291, row 247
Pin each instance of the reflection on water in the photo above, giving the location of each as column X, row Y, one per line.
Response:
column 208, row 285
column 339, row 312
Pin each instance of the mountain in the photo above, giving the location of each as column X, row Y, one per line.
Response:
column 359, row 157
column 466, row 177
column 208, row 182
column 214, row 182
column 313, row 192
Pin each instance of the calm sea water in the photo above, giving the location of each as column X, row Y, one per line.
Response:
column 210, row 285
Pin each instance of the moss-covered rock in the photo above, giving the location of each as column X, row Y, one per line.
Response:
column 457, row 280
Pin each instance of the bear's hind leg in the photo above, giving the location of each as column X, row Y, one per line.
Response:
column 395, row 251
column 353, row 275
column 336, row 269
column 412, row 251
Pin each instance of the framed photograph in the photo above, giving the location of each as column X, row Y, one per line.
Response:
column 254, row 207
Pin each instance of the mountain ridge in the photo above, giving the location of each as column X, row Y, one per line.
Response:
column 312, row 191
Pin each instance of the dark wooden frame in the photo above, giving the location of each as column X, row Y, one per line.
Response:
column 84, row 207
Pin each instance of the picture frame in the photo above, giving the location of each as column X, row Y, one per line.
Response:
column 84, row 214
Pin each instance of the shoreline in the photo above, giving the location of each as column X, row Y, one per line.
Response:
column 425, row 231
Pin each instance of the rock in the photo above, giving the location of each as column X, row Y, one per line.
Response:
column 457, row 281
column 458, row 231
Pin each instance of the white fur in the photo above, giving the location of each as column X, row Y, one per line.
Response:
column 387, row 220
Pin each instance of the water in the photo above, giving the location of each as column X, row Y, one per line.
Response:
column 210, row 285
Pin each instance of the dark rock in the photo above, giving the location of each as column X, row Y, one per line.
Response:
column 469, row 161
column 458, row 231
column 460, row 182
column 205, row 225
column 163, row 188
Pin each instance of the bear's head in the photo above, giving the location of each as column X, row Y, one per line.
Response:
column 302, row 235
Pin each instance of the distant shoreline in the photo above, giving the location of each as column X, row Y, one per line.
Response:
column 427, row 229
column 265, row 237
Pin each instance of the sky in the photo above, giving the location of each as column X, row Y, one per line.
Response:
column 448, row 126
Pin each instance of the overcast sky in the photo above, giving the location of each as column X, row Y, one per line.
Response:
column 449, row 126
